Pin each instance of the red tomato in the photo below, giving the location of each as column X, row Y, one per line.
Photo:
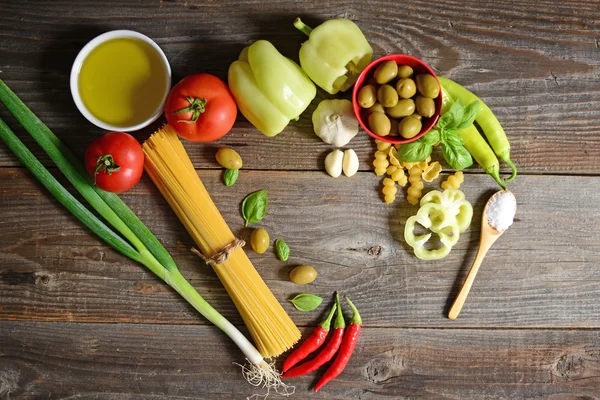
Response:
column 115, row 161
column 201, row 108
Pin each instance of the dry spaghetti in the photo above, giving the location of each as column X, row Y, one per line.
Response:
column 169, row 166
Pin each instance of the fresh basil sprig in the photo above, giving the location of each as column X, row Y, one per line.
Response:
column 446, row 132
column 231, row 176
column 306, row 302
column 254, row 206
column 282, row 249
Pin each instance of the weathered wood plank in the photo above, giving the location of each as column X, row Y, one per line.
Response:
column 99, row 361
column 542, row 273
column 536, row 65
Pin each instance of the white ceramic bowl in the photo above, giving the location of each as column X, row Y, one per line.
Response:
column 85, row 51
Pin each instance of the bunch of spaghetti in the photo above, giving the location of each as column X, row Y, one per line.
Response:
column 169, row 166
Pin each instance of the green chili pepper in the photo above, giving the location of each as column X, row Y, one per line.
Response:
column 487, row 121
column 335, row 53
column 270, row 89
column 475, row 143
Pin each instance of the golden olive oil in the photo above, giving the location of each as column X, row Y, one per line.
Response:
column 123, row 81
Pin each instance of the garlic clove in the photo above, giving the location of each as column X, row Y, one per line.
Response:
column 334, row 122
column 350, row 163
column 333, row 163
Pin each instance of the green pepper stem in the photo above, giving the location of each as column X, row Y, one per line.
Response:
column 326, row 324
column 356, row 319
column 507, row 160
column 339, row 319
column 493, row 172
column 302, row 27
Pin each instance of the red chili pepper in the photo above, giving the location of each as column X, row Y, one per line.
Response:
column 328, row 351
column 348, row 345
column 313, row 342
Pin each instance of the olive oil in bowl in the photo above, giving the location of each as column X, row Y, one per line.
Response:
column 123, row 82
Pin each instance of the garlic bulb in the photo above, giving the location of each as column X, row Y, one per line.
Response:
column 334, row 122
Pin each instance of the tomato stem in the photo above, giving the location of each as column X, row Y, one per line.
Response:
column 196, row 107
column 106, row 163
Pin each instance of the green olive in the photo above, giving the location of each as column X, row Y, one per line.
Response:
column 417, row 116
column 404, row 108
column 375, row 107
column 428, row 86
column 380, row 123
column 385, row 72
column 425, row 106
column 404, row 71
column 387, row 96
column 259, row 240
column 228, row 158
column 303, row 274
column 406, row 88
column 409, row 127
column 367, row 96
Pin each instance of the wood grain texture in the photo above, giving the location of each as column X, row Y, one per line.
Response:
column 537, row 65
column 541, row 273
column 99, row 361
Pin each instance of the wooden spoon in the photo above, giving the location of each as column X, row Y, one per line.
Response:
column 489, row 235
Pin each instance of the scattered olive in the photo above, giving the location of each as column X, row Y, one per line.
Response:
column 367, row 96
column 425, row 106
column 428, row 86
column 259, row 240
column 406, row 88
column 404, row 108
column 303, row 274
column 385, row 72
column 387, row 96
column 409, row 127
column 228, row 158
column 375, row 107
column 404, row 71
column 379, row 123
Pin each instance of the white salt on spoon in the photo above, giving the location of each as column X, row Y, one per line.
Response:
column 498, row 215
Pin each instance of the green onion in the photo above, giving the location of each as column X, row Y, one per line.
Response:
column 144, row 247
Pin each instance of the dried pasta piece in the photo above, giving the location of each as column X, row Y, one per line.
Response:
column 383, row 146
column 391, row 169
column 453, row 181
column 432, row 172
column 389, row 190
column 393, row 159
column 408, row 165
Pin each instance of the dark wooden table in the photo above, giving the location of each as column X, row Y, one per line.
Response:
column 78, row 320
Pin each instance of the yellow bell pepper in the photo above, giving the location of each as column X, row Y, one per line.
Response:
column 270, row 89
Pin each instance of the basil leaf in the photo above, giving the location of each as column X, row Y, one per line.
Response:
column 414, row 151
column 457, row 157
column 432, row 137
column 452, row 138
column 306, row 302
column 231, row 176
column 453, row 117
column 469, row 115
column 282, row 250
column 254, row 206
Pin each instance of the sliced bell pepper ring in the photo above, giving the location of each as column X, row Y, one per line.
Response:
column 270, row 89
column 335, row 53
column 437, row 219
column 454, row 200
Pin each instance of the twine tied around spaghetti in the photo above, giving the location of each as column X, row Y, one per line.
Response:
column 222, row 255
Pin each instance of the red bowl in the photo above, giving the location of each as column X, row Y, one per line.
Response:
column 419, row 67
